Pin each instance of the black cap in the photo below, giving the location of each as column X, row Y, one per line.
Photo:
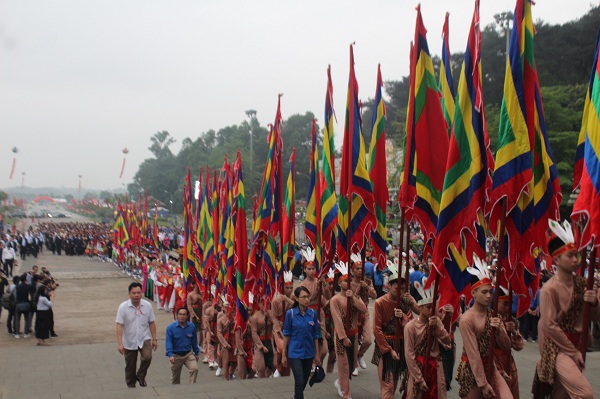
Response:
column 318, row 376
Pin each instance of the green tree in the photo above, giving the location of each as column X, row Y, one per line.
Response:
column 160, row 145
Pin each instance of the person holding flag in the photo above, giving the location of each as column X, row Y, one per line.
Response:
column 504, row 359
column 559, row 371
column 345, row 308
column 476, row 326
column 226, row 337
column 388, row 328
column 279, row 306
column 244, row 344
column 311, row 282
column 430, row 384
column 364, row 289
column 262, row 335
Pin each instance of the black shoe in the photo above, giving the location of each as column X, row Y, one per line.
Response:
column 142, row 382
column 54, row 335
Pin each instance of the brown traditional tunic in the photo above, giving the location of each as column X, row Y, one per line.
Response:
column 415, row 342
column 475, row 331
column 560, row 305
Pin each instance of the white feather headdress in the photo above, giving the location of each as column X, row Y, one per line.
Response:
column 480, row 271
column 224, row 300
column 331, row 273
column 564, row 232
column 288, row 277
column 426, row 294
column 561, row 238
column 355, row 258
column 309, row 255
column 342, row 268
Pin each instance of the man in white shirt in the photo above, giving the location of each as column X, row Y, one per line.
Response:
column 136, row 332
column 8, row 259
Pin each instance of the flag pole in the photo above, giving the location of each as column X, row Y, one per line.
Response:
column 349, row 249
column 407, row 244
column 489, row 369
column 583, row 342
column 509, row 318
column 399, row 298
column 430, row 339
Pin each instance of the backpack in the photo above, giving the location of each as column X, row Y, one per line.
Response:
column 9, row 299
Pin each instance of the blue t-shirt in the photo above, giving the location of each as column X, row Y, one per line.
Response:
column 302, row 330
column 181, row 339
column 369, row 269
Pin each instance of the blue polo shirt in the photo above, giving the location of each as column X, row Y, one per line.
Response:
column 302, row 331
column 181, row 339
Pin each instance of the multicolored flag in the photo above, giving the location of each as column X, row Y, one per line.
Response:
column 267, row 224
column 514, row 173
column 426, row 140
column 547, row 194
column 356, row 203
column 378, row 175
column 155, row 241
column 311, row 224
column 120, row 227
column 189, row 243
column 328, row 203
column 467, row 180
column 240, row 262
column 525, row 175
column 587, row 206
column 288, row 231
column 446, row 85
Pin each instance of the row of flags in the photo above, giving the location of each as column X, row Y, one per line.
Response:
column 476, row 195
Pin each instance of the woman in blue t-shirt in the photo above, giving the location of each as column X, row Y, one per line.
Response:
column 300, row 340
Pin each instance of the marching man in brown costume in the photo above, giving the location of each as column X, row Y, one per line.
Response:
column 429, row 384
column 345, row 309
column 262, row 335
column 388, row 327
column 365, row 290
column 244, row 344
column 475, row 328
column 226, row 336
column 279, row 306
column 559, row 372
column 504, row 359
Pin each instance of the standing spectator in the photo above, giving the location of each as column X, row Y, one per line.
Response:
column 300, row 332
column 10, row 321
column 23, row 248
column 182, row 347
column 8, row 259
column 136, row 332
column 23, row 307
column 43, row 315
column 4, row 285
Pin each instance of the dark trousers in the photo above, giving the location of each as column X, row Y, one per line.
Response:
column 529, row 326
column 131, row 376
column 8, row 266
column 301, row 370
column 10, row 321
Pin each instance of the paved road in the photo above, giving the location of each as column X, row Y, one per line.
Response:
column 84, row 363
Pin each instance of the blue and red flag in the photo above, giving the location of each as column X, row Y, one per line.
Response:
column 586, row 210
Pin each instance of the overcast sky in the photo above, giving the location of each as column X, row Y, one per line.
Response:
column 81, row 80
